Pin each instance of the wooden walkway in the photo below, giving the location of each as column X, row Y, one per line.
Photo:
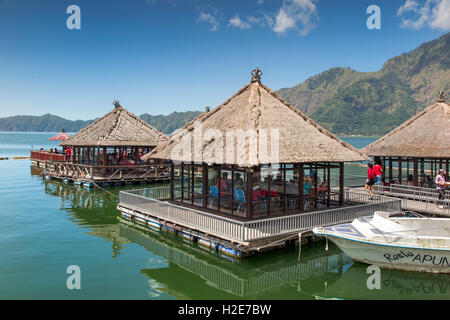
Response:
column 420, row 207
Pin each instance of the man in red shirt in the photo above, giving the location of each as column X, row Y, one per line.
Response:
column 378, row 170
column 370, row 180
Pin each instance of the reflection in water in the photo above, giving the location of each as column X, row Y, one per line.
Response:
column 187, row 271
column 91, row 209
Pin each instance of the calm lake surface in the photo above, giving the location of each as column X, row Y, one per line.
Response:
column 46, row 226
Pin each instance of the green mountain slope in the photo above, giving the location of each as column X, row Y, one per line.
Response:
column 350, row 102
column 50, row 123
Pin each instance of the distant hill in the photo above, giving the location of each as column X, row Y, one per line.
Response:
column 349, row 102
column 51, row 123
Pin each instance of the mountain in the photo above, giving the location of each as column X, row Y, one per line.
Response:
column 51, row 123
column 346, row 101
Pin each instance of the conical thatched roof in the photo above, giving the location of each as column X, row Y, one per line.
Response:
column 118, row 128
column 256, row 107
column 426, row 135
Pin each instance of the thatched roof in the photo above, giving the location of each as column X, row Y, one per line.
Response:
column 118, row 128
column 256, row 107
column 426, row 135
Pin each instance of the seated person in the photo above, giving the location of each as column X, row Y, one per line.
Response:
column 238, row 181
column 223, row 182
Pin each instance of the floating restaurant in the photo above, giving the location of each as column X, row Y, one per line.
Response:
column 226, row 192
column 109, row 151
column 419, row 147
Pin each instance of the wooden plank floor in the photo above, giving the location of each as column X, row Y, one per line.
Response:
column 415, row 206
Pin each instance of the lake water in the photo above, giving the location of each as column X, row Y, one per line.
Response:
column 47, row 226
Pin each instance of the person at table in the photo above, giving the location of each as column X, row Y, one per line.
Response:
column 223, row 182
column 238, row 181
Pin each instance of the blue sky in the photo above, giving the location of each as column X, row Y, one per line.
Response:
column 160, row 56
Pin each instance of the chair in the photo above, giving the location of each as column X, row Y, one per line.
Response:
column 239, row 196
column 213, row 194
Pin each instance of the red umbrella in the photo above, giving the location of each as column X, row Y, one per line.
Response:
column 62, row 136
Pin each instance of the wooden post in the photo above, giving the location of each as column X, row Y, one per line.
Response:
column 232, row 189
column 390, row 170
column 341, row 183
column 416, row 172
column 192, row 185
column 329, row 186
column 301, row 193
column 172, row 174
column 383, row 165
column 250, row 193
column 269, row 177
column 205, row 184
column 316, row 193
column 283, row 168
column 182, row 180
column 400, row 170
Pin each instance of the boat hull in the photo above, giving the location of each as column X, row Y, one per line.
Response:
column 395, row 257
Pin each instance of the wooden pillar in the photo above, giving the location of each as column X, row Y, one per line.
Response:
column 269, row 177
column 172, row 176
column 105, row 160
column 329, row 186
column 192, row 184
column 250, row 193
column 316, row 193
column 390, row 170
column 205, row 184
column 446, row 169
column 182, row 180
column 301, row 195
column 232, row 189
column 383, row 166
column 416, row 172
column 283, row 168
column 341, row 183
column 400, row 171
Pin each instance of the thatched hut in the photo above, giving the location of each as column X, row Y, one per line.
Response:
column 255, row 146
column 117, row 138
column 419, row 146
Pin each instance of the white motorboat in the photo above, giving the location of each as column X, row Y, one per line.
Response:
column 413, row 244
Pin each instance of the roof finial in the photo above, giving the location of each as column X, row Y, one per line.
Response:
column 256, row 75
column 117, row 104
column 442, row 96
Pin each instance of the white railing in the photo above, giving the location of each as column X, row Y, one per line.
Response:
column 145, row 202
column 429, row 197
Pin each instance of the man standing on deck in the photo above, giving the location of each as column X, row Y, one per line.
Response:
column 378, row 169
column 440, row 186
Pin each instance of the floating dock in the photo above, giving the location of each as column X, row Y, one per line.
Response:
column 239, row 238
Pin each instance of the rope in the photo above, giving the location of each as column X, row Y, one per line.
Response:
column 96, row 185
column 272, row 243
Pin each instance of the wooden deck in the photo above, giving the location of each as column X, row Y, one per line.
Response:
column 236, row 237
column 422, row 207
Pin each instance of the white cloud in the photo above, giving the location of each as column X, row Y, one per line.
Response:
column 238, row 23
column 432, row 13
column 296, row 14
column 207, row 17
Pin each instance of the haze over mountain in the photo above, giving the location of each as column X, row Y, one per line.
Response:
column 346, row 101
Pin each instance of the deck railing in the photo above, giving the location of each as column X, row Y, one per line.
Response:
column 111, row 172
column 143, row 201
column 44, row 156
column 405, row 192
